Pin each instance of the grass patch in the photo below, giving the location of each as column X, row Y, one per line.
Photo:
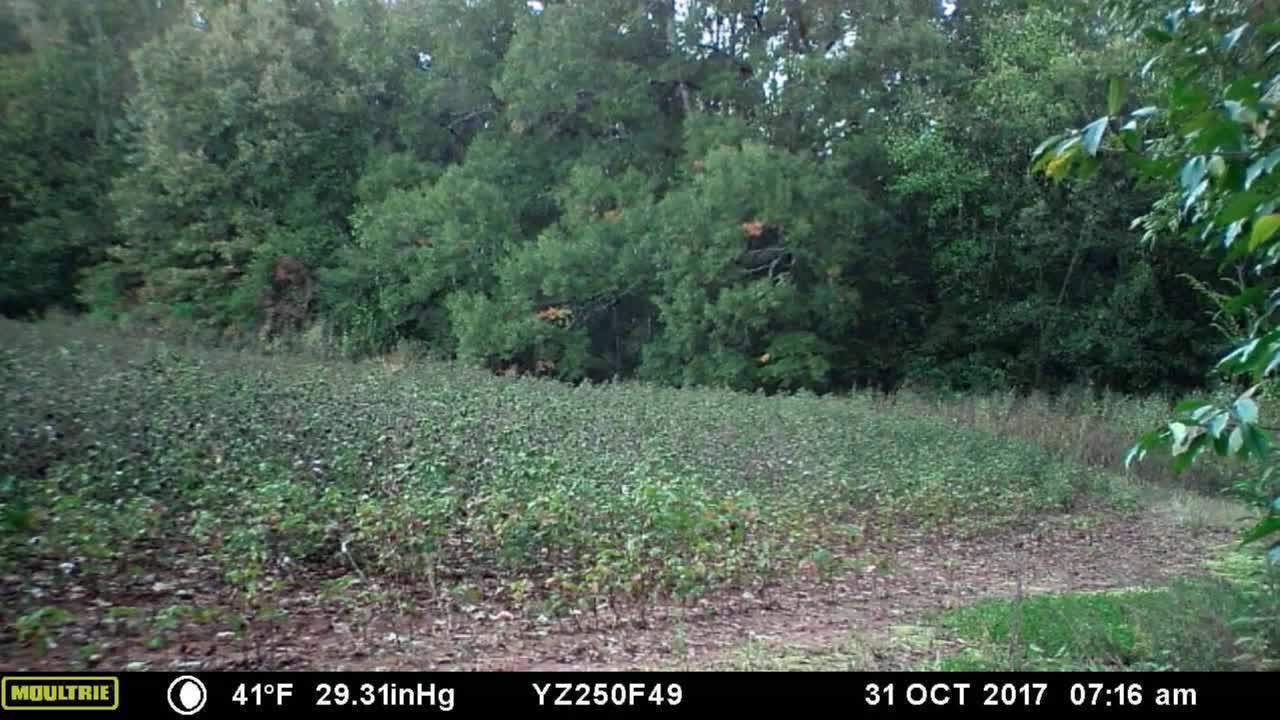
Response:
column 1217, row 623
column 1091, row 429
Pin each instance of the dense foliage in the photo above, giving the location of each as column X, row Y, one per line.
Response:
column 124, row 458
column 737, row 193
column 1207, row 142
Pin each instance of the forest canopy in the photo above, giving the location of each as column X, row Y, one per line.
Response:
column 756, row 194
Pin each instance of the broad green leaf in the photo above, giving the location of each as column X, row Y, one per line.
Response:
column 1087, row 167
column 1239, row 207
column 1192, row 173
column 1244, row 89
column 1045, row 145
column 1231, row 232
column 1220, row 446
column 1236, row 358
column 1272, row 363
column 1230, row 39
column 1194, row 195
column 1135, row 454
column 1200, row 413
column 1115, row 94
column 1249, row 297
column 1237, row 440
column 1092, row 135
column 1057, row 167
column 1129, row 134
column 1187, row 407
column 1146, row 441
column 1265, row 527
column 1217, row 167
column 1257, row 443
column 1182, row 458
column 1067, row 143
column 1245, row 410
column 1263, row 228
column 1217, row 132
column 1260, row 167
column 1187, row 95
column 1248, row 356
column 1240, row 112
column 1217, row 424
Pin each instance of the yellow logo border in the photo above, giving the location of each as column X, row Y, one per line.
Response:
column 4, row 691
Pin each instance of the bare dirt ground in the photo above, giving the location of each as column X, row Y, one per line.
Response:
column 886, row 586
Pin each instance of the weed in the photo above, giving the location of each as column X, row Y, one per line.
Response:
column 1190, row 625
column 38, row 627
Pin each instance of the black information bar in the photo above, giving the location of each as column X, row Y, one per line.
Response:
column 579, row 694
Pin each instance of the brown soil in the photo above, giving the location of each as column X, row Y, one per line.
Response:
column 887, row 583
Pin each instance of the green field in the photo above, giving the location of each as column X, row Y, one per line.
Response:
column 157, row 496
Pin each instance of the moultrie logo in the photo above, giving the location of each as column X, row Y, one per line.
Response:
column 60, row 692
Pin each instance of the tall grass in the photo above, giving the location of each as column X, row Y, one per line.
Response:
column 1088, row 428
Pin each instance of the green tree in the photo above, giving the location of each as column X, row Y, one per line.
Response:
column 64, row 76
column 758, row 258
column 1208, row 140
column 1034, row 287
column 576, row 302
column 247, row 141
column 411, row 251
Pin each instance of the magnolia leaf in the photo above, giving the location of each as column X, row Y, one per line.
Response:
column 1191, row 406
column 1231, row 232
column 1217, row 424
column 1260, row 167
column 1135, row 454
column 1092, row 135
column 1256, row 442
column 1244, row 89
column 1237, row 440
column 1115, row 94
column 1045, row 146
column 1230, row 39
column 1241, row 113
column 1192, row 173
column 1263, row 228
column 1236, row 357
column 1272, row 364
column 1245, row 410
column 1239, row 207
column 1194, row 195
column 1217, row 167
